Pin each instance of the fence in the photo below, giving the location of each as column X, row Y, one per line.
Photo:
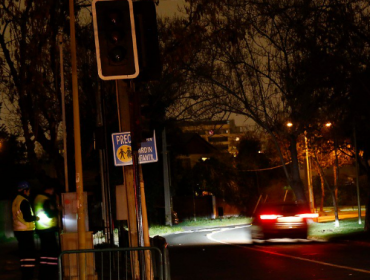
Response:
column 109, row 263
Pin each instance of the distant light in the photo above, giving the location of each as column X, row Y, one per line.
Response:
column 289, row 124
column 237, row 139
column 260, row 152
column 328, row 124
column 204, row 158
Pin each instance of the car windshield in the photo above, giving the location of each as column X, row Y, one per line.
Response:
column 283, row 209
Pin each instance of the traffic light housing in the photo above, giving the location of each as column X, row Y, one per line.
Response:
column 147, row 40
column 141, row 117
column 115, row 39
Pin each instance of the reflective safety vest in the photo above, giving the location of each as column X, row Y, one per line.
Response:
column 45, row 222
column 19, row 224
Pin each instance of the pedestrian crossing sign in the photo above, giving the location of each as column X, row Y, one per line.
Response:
column 122, row 151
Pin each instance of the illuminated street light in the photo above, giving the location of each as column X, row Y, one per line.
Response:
column 309, row 180
column 328, row 124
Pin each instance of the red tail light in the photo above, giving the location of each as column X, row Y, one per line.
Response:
column 309, row 215
column 269, row 217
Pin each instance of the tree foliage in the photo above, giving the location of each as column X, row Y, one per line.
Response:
column 30, row 76
column 271, row 61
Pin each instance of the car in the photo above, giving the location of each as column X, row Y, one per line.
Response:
column 280, row 220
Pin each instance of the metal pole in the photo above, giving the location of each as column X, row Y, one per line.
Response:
column 357, row 177
column 167, row 193
column 309, row 185
column 77, row 136
column 104, row 178
column 60, row 40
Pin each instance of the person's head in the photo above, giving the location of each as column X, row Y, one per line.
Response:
column 49, row 189
column 24, row 188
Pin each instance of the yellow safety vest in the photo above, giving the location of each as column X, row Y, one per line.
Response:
column 45, row 222
column 19, row 224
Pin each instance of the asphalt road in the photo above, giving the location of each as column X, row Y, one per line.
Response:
column 231, row 254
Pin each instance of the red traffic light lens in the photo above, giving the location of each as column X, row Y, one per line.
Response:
column 114, row 18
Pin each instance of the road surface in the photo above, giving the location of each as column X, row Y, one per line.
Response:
column 231, row 254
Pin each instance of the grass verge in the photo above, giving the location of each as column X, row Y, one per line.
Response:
column 199, row 222
column 327, row 230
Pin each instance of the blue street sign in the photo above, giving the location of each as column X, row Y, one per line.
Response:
column 122, row 151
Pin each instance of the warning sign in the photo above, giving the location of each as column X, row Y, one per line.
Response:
column 122, row 151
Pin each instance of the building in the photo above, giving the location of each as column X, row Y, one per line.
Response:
column 223, row 135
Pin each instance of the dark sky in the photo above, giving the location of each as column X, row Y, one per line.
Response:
column 169, row 7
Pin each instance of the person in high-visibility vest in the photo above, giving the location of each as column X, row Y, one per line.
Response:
column 46, row 208
column 24, row 228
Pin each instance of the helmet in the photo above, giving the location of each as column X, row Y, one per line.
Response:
column 23, row 186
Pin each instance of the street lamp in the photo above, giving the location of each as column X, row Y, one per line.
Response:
column 309, row 183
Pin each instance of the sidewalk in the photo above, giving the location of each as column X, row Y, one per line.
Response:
column 343, row 213
column 9, row 261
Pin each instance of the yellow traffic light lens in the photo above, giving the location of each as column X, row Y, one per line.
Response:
column 115, row 36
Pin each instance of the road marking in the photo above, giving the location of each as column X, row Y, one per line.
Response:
column 209, row 236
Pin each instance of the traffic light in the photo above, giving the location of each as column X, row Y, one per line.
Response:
column 115, row 39
column 147, row 40
column 141, row 114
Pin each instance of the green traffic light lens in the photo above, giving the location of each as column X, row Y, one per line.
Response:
column 117, row 54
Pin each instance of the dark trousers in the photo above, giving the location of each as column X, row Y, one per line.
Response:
column 49, row 252
column 27, row 253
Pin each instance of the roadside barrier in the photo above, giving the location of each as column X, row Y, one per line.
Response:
column 161, row 243
column 109, row 263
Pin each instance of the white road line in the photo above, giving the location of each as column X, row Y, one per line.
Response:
column 209, row 236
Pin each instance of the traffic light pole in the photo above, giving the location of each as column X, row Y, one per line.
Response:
column 128, row 175
column 137, row 216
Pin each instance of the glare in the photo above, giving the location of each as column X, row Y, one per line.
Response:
column 328, row 124
column 309, row 215
column 237, row 139
column 269, row 217
column 204, row 158
column 44, row 220
column 289, row 124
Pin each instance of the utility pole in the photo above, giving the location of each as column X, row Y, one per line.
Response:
column 77, row 136
column 134, row 184
column 60, row 41
column 122, row 91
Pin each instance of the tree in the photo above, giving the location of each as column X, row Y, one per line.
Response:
column 30, row 75
column 244, row 58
